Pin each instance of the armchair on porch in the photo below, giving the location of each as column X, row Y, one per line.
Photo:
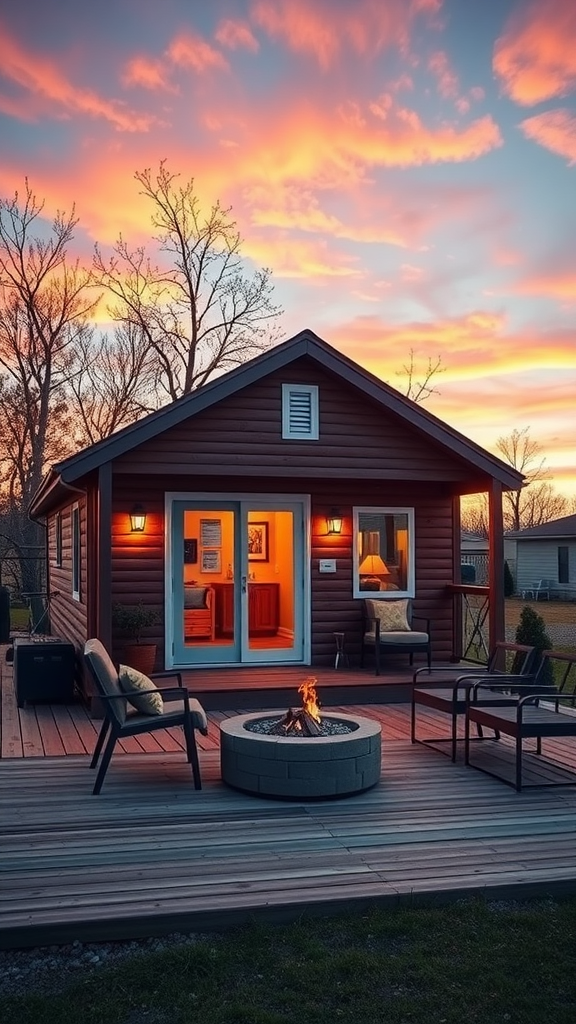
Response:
column 133, row 705
column 387, row 628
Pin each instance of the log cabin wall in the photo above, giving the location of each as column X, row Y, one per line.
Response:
column 68, row 615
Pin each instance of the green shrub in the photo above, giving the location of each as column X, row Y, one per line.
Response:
column 532, row 630
column 508, row 581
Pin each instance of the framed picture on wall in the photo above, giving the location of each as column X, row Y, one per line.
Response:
column 190, row 551
column 257, row 542
column 210, row 533
column 210, row 560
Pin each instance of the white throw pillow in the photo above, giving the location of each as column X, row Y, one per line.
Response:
column 392, row 616
column 141, row 692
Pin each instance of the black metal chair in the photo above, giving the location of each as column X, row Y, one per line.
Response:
column 525, row 718
column 401, row 638
column 445, row 689
column 179, row 709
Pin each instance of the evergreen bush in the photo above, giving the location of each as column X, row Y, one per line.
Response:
column 508, row 581
column 531, row 630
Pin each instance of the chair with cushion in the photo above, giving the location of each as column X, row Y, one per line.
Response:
column 388, row 629
column 134, row 705
column 199, row 613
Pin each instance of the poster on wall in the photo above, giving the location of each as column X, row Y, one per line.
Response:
column 210, row 560
column 190, row 551
column 210, row 533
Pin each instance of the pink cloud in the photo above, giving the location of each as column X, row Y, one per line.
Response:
column 439, row 65
column 324, row 28
column 148, row 73
column 555, row 130
column 235, row 35
column 535, row 58
column 190, row 50
column 43, row 81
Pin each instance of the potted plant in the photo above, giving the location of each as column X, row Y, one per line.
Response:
column 132, row 619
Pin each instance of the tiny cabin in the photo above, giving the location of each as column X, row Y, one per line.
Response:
column 254, row 515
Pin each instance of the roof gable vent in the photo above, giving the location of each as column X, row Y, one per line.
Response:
column 300, row 419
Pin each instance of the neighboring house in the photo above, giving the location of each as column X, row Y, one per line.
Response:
column 548, row 553
column 275, row 498
column 475, row 551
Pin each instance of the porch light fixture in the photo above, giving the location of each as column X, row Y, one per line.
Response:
column 137, row 519
column 370, row 569
column 334, row 522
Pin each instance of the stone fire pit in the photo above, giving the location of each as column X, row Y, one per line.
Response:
column 300, row 767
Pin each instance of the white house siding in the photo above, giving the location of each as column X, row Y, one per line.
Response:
column 538, row 560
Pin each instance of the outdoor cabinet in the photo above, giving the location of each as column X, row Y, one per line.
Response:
column 43, row 671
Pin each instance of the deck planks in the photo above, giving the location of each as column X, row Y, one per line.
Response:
column 151, row 855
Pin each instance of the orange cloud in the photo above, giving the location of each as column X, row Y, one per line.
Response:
column 148, row 73
column 561, row 285
column 234, row 34
column 190, row 50
column 535, row 58
column 43, row 81
column 555, row 130
column 323, row 29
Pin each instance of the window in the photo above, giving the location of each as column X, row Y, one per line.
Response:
column 76, row 552
column 563, row 565
column 300, row 420
column 384, row 552
column 58, row 539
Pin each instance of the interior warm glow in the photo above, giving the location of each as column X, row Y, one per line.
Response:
column 309, row 697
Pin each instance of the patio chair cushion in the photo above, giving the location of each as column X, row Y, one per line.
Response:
column 392, row 615
column 141, row 692
column 195, row 597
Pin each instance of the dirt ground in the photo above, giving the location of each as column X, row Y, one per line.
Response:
column 553, row 612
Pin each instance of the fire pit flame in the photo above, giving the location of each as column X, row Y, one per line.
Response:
column 306, row 720
column 309, row 698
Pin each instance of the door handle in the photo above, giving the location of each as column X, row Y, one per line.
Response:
column 243, row 584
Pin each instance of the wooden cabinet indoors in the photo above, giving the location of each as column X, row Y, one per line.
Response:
column 263, row 608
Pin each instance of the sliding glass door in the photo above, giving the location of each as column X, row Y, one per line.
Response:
column 238, row 582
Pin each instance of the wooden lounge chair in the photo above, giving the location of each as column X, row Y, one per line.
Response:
column 119, row 721
column 540, row 714
column 446, row 689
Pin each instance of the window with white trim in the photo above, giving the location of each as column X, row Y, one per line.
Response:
column 76, row 553
column 300, row 418
column 383, row 552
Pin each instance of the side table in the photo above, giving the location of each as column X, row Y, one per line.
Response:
column 43, row 670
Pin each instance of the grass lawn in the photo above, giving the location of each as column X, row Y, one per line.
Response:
column 471, row 961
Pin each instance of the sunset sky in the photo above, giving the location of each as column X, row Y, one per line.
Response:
column 406, row 168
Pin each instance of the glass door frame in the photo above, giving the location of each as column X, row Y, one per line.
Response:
column 240, row 650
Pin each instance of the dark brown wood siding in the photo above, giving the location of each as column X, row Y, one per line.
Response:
column 138, row 563
column 68, row 616
column 243, row 435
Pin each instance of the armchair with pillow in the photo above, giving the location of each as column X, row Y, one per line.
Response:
column 387, row 627
column 134, row 705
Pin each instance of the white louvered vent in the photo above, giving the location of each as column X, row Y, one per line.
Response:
column 300, row 412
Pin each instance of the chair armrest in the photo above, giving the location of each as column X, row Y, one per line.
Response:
column 173, row 693
column 494, row 682
column 422, row 618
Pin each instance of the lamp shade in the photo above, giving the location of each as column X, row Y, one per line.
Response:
column 373, row 565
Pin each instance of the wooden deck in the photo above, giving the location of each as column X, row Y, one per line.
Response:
column 151, row 855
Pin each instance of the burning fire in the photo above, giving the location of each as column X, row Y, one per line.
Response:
column 310, row 698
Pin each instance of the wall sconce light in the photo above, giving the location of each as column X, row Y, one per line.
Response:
column 334, row 522
column 137, row 519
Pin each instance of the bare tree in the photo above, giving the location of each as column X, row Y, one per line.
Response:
column 418, row 382
column 537, row 502
column 116, row 384
column 44, row 309
column 200, row 314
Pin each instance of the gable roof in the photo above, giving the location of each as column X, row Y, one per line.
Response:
column 555, row 529
column 306, row 343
